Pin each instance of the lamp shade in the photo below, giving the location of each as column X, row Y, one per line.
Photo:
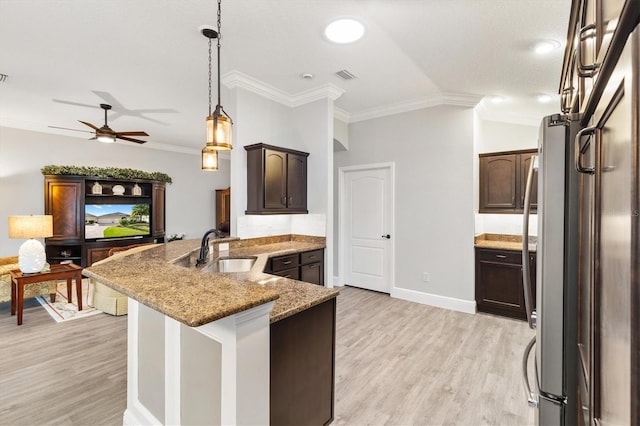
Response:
column 31, row 256
column 219, row 132
column 209, row 158
column 34, row 226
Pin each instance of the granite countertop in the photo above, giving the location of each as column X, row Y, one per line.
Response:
column 504, row 242
column 156, row 278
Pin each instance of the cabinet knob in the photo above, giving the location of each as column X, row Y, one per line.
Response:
column 388, row 237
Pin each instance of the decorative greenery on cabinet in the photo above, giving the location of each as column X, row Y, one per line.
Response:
column 105, row 172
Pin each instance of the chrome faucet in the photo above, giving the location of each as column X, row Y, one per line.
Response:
column 204, row 245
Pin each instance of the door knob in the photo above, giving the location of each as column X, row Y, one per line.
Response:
column 388, row 237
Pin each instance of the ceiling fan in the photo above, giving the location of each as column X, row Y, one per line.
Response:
column 105, row 133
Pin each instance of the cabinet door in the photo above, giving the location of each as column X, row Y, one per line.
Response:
column 525, row 163
column 498, row 182
column 96, row 254
column 64, row 200
column 158, row 205
column 275, row 179
column 499, row 283
column 311, row 273
column 297, row 182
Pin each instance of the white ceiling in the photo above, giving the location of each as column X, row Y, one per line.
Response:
column 148, row 59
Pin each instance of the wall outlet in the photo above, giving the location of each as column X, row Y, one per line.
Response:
column 426, row 277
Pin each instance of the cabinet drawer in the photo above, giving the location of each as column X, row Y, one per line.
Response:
column 311, row 257
column 284, row 262
column 293, row 273
column 505, row 256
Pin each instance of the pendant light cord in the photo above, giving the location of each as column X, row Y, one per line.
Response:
column 209, row 76
column 219, row 37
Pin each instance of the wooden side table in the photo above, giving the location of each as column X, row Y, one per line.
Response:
column 66, row 271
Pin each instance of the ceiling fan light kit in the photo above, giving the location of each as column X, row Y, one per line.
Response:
column 105, row 134
column 218, row 123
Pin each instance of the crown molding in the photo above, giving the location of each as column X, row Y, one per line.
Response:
column 234, row 79
column 486, row 114
column 327, row 91
column 341, row 114
column 40, row 128
column 237, row 79
column 453, row 99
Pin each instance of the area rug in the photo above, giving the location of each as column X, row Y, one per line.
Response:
column 63, row 310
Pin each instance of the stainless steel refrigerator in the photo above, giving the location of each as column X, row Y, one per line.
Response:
column 553, row 391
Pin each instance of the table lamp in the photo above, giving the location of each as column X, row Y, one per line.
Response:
column 31, row 256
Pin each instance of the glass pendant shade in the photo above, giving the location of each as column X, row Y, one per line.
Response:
column 209, row 158
column 219, row 132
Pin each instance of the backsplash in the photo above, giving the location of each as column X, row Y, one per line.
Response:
column 504, row 224
column 253, row 226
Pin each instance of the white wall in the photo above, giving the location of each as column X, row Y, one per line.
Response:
column 493, row 136
column 190, row 200
column 307, row 128
column 257, row 120
column 433, row 153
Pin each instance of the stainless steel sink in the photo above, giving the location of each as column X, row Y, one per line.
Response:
column 231, row 264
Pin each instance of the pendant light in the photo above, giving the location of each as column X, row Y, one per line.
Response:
column 219, row 123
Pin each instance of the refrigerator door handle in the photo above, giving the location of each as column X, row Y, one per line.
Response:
column 532, row 398
column 580, row 149
column 526, row 276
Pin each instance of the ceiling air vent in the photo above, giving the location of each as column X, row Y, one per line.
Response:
column 3, row 77
column 346, row 75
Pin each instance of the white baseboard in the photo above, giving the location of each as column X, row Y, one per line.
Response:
column 336, row 282
column 460, row 305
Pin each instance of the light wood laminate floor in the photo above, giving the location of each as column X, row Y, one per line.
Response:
column 397, row 363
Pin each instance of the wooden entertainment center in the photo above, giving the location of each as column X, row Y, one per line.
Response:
column 66, row 198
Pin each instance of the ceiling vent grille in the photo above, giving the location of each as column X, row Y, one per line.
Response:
column 346, row 75
column 3, row 77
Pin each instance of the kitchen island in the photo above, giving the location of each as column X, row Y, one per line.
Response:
column 208, row 348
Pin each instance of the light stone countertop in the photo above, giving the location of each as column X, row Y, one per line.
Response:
column 504, row 242
column 156, row 278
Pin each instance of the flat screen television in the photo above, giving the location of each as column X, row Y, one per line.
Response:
column 116, row 221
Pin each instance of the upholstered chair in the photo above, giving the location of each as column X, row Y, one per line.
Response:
column 31, row 290
column 104, row 298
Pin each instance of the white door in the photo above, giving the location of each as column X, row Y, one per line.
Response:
column 367, row 227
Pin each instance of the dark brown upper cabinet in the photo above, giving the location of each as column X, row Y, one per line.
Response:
column 276, row 180
column 503, row 180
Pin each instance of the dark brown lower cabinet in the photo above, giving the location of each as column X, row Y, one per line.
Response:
column 303, row 367
column 499, row 282
column 307, row 266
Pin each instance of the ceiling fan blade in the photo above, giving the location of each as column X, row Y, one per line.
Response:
column 139, row 133
column 60, row 101
column 66, row 128
column 130, row 139
column 89, row 124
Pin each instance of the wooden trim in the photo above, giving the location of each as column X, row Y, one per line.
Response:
column 276, row 148
column 519, row 151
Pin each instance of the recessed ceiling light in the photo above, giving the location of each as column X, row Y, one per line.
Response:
column 345, row 30
column 497, row 99
column 545, row 46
